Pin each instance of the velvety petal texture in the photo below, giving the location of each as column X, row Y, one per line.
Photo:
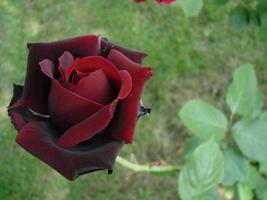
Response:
column 40, row 139
column 80, row 103
column 67, row 108
column 135, row 56
column 37, row 85
column 123, row 124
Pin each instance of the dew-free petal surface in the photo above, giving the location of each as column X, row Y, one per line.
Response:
column 37, row 85
column 67, row 108
column 40, row 139
column 48, row 68
column 65, row 60
column 123, row 124
column 89, row 127
column 126, row 84
column 135, row 56
column 93, row 63
column 96, row 87
column 20, row 116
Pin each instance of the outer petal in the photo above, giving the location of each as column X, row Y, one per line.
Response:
column 37, row 85
column 67, row 108
column 21, row 116
column 135, row 56
column 123, row 124
column 88, row 127
column 39, row 138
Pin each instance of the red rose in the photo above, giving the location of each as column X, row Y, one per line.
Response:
column 79, row 104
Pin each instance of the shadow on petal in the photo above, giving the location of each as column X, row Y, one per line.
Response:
column 99, row 153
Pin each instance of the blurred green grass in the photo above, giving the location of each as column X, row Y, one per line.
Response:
column 191, row 58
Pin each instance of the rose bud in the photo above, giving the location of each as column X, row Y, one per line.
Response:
column 79, row 103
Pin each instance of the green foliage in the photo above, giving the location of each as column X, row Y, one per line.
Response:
column 204, row 120
column 243, row 97
column 191, row 7
column 244, row 144
column 243, row 14
column 236, row 167
column 238, row 19
column 202, row 172
column 244, row 192
column 251, row 137
column 263, row 167
column 256, row 182
column 210, row 195
column 190, row 145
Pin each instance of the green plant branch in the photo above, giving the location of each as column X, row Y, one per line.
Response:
column 147, row 168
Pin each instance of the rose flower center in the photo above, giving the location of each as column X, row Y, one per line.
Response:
column 94, row 86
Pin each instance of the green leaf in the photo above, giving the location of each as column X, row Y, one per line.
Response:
column 202, row 172
column 264, row 194
column 256, row 182
column 263, row 167
column 210, row 195
column 191, row 7
column 238, row 19
column 251, row 137
column 244, row 192
column 243, row 96
column 236, row 167
column 190, row 145
column 204, row 120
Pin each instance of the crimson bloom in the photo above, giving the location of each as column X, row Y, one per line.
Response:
column 79, row 104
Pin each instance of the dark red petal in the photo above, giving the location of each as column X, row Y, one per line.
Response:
column 126, row 84
column 39, row 138
column 89, row 127
column 65, row 60
column 135, row 56
column 95, row 87
column 123, row 124
column 20, row 116
column 37, row 85
column 67, row 108
column 92, row 63
column 48, row 68
column 79, row 75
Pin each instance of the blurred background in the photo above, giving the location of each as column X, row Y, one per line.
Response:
column 191, row 57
